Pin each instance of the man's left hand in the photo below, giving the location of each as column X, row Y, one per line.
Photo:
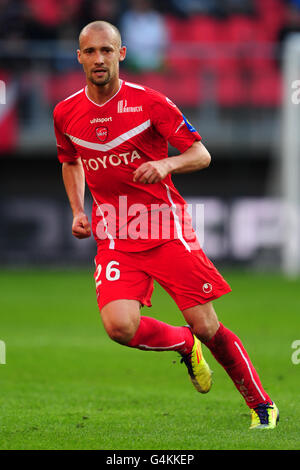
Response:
column 151, row 172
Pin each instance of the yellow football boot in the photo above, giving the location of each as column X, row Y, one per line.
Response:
column 264, row 416
column 198, row 368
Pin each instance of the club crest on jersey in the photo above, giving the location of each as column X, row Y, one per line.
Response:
column 102, row 133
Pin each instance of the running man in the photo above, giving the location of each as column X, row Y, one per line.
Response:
column 114, row 135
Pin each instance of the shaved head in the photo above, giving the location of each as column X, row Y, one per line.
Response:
column 101, row 26
column 100, row 52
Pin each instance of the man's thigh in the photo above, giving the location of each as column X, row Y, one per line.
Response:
column 120, row 275
column 188, row 276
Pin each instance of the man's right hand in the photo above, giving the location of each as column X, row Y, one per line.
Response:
column 81, row 227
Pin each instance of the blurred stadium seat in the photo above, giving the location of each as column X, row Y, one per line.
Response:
column 231, row 90
column 230, row 49
column 56, row 85
column 52, row 12
column 239, row 29
column 181, row 87
column 177, row 28
column 272, row 16
column 204, row 29
column 265, row 89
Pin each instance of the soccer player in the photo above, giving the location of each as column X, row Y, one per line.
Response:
column 114, row 135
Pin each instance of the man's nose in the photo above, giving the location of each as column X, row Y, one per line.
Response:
column 99, row 57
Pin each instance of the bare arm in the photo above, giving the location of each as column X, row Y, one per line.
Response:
column 195, row 158
column 74, row 181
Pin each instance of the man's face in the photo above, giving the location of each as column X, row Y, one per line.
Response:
column 100, row 53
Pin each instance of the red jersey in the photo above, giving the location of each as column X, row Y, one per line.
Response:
column 112, row 140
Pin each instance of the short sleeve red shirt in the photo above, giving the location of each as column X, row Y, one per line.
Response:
column 112, row 140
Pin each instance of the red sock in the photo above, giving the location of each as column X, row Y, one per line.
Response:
column 154, row 335
column 228, row 350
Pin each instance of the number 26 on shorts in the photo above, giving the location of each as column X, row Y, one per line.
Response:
column 111, row 272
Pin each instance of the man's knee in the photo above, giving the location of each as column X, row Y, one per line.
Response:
column 120, row 321
column 203, row 321
column 205, row 329
column 121, row 333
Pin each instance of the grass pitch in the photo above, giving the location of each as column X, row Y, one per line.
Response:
column 66, row 385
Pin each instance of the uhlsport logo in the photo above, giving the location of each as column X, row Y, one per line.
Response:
column 101, row 120
column 207, row 288
column 102, row 133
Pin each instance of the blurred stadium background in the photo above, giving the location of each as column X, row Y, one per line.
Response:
column 224, row 64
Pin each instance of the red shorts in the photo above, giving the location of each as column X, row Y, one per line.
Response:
column 188, row 276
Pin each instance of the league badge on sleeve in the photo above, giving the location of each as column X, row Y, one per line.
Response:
column 188, row 124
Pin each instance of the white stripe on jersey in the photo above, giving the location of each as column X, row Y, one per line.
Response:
column 180, row 125
column 176, row 219
column 74, row 94
column 109, row 236
column 113, row 143
column 134, row 85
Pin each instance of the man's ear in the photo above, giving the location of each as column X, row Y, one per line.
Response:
column 78, row 56
column 122, row 53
